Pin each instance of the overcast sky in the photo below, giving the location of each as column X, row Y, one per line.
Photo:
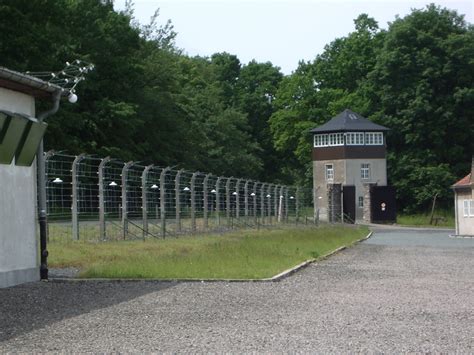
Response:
column 280, row 31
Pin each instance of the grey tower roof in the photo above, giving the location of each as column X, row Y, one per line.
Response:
column 348, row 120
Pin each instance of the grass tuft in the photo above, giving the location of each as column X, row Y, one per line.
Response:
column 240, row 255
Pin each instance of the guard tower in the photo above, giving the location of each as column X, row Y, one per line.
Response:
column 348, row 158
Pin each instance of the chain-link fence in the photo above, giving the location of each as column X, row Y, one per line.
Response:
column 91, row 198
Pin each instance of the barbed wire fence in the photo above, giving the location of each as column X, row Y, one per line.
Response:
column 98, row 199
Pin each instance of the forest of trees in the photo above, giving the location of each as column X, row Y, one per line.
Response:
column 149, row 101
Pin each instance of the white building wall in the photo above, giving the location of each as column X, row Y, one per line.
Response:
column 19, row 261
column 465, row 225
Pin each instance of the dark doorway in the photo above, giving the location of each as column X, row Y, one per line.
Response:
column 383, row 204
column 348, row 203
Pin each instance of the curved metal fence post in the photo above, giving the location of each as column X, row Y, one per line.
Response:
column 125, row 199
column 178, row 200
column 297, row 204
column 227, row 201
column 205, row 201
column 255, row 202
column 262, row 202
column 276, row 197
column 102, row 227
column 280, row 205
column 246, row 199
column 193, row 202
column 145, row 199
column 237, row 199
column 75, row 196
column 286, row 204
column 218, row 201
column 163, row 200
column 269, row 198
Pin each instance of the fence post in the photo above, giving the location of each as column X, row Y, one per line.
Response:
column 193, row 202
column 262, row 202
column 102, row 229
column 205, row 198
column 255, row 202
column 124, row 198
column 246, row 199
column 280, row 207
column 237, row 201
column 275, row 201
column 297, row 204
column 286, row 204
column 218, row 201
column 75, row 196
column 177, row 190
column 145, row 199
column 227, row 200
column 269, row 198
column 163, row 200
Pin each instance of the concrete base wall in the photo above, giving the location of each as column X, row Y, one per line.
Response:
column 321, row 185
column 378, row 175
column 16, row 277
column 346, row 172
column 19, row 259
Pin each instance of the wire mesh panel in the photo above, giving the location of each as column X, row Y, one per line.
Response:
column 59, row 194
column 89, row 198
column 152, row 192
column 86, row 198
column 112, row 187
column 197, row 202
column 132, row 201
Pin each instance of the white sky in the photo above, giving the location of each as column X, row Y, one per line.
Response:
column 280, row 31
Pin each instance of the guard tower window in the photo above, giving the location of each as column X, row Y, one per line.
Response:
column 365, row 171
column 355, row 138
column 360, row 201
column 320, row 140
column 332, row 139
column 374, row 138
column 329, row 172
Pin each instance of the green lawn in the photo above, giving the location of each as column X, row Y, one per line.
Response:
column 423, row 220
column 241, row 255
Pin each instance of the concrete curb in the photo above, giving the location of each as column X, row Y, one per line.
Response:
column 456, row 236
column 275, row 278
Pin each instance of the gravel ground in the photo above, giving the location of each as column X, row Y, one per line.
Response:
column 379, row 296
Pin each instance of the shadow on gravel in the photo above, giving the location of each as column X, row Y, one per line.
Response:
column 32, row 306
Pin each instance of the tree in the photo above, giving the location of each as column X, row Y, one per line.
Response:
column 255, row 92
column 422, row 87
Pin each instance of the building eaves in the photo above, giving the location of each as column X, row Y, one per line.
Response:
column 28, row 84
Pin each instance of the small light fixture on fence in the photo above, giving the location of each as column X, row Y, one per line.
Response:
column 113, row 183
column 252, row 194
column 154, row 186
column 269, row 195
column 234, row 193
column 57, row 180
column 292, row 197
column 186, row 189
column 320, row 197
column 213, row 191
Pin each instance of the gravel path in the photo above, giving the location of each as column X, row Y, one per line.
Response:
column 380, row 295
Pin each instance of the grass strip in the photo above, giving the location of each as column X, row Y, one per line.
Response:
column 240, row 255
column 445, row 219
